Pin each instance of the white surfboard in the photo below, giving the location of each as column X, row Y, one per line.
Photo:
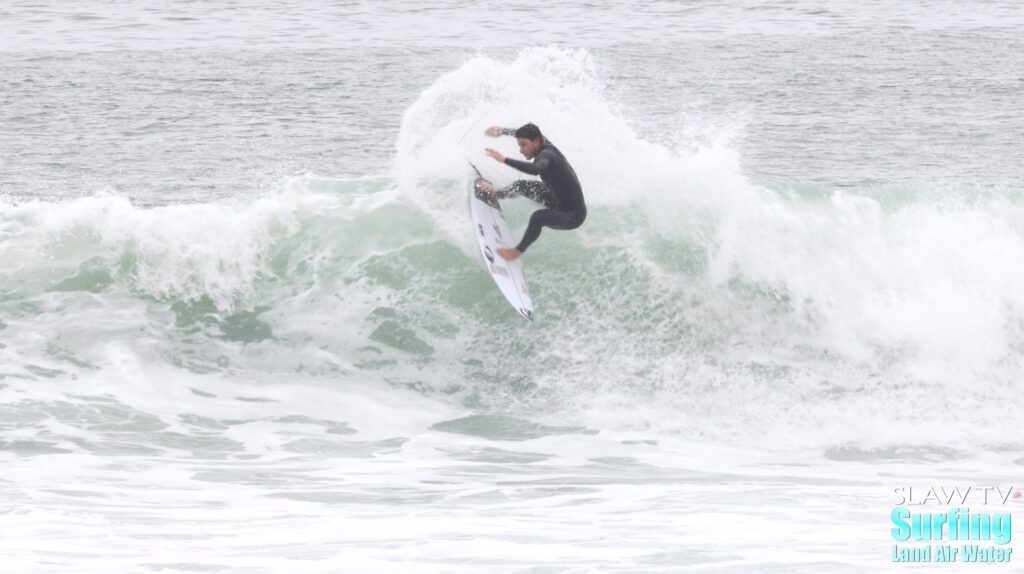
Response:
column 492, row 232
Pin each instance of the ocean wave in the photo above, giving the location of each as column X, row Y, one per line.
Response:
column 693, row 299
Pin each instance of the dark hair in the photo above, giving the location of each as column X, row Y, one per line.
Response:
column 529, row 131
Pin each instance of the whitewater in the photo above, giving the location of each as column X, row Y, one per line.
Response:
column 244, row 326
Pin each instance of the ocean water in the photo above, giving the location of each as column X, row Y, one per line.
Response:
column 243, row 326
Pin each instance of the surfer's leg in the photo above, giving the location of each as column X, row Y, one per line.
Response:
column 555, row 219
column 530, row 189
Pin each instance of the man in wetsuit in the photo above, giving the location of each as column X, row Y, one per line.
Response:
column 558, row 190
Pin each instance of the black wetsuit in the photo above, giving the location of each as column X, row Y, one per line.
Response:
column 559, row 191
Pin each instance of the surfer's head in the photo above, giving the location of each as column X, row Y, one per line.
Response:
column 530, row 140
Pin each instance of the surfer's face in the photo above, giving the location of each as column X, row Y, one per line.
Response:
column 528, row 147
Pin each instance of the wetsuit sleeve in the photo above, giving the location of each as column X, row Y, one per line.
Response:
column 530, row 189
column 539, row 165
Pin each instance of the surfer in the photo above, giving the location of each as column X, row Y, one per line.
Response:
column 558, row 190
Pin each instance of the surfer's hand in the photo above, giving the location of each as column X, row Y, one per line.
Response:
column 495, row 154
column 485, row 186
column 493, row 131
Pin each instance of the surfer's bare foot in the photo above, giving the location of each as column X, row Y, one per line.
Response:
column 509, row 253
column 485, row 186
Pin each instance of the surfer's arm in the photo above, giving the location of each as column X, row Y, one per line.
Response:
column 530, row 189
column 507, row 191
column 537, row 167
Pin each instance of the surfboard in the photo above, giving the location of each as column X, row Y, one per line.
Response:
column 491, row 231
